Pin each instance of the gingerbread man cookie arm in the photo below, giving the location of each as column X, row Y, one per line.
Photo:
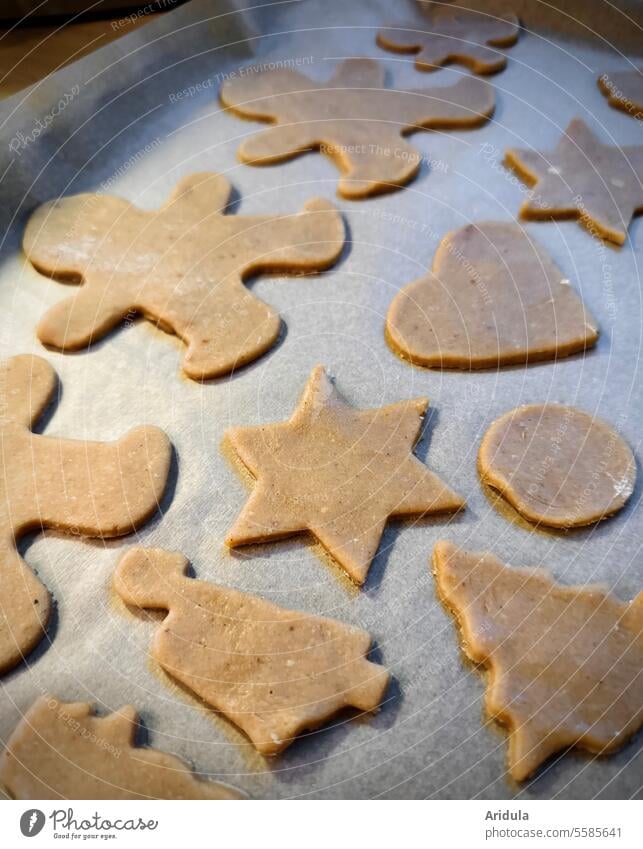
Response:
column 468, row 103
column 310, row 240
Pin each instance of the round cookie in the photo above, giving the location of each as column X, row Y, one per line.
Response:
column 557, row 465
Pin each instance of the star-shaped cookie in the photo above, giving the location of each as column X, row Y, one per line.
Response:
column 582, row 178
column 337, row 472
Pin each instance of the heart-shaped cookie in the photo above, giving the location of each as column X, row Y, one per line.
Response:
column 493, row 298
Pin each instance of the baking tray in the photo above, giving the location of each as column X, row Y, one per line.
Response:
column 126, row 132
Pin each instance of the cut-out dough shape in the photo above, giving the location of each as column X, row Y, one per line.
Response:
column 97, row 489
column 493, row 297
column 564, row 662
column 461, row 36
column 182, row 266
column 337, row 472
column 63, row 751
column 582, row 178
column 557, row 466
column 353, row 119
column 624, row 90
column 273, row 672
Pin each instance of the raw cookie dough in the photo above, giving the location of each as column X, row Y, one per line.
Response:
column 564, row 662
column 353, row 119
column 624, row 90
column 64, row 751
column 98, row 489
column 455, row 35
column 273, row 672
column 337, row 472
column 557, row 465
column 182, row 266
column 582, row 178
column 494, row 297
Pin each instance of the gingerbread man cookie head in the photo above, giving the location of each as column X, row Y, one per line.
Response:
column 353, row 119
column 182, row 266
column 455, row 35
column 90, row 488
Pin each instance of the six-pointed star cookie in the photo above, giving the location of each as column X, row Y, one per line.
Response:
column 353, row 118
column 337, row 472
column 583, row 178
column 182, row 266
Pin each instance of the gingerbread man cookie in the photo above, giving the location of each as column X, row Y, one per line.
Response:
column 273, row 672
column 556, row 465
column 97, row 489
column 493, row 298
column 182, row 266
column 564, row 662
column 583, row 178
column 64, row 751
column 624, row 90
column 337, row 472
column 455, row 35
column 353, row 119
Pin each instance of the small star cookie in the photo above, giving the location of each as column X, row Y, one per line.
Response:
column 182, row 266
column 564, row 662
column 353, row 119
column 337, row 472
column 583, row 178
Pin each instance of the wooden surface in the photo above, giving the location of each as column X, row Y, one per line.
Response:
column 27, row 54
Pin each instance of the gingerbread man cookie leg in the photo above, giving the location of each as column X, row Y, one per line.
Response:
column 273, row 672
column 65, row 751
column 95, row 489
column 564, row 662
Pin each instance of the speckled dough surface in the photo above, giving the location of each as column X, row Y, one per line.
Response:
column 557, row 465
column 457, row 35
column 353, row 118
column 90, row 488
column 64, row 751
column 624, row 90
column 564, row 662
column 494, row 297
column 337, row 472
column 182, row 266
column 271, row 671
column 583, row 178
